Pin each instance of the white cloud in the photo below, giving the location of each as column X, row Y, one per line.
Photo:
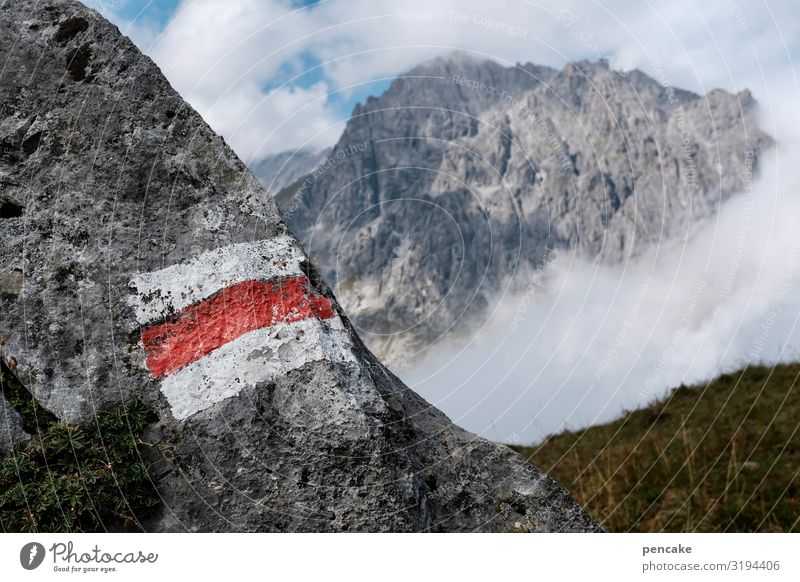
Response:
column 596, row 340
column 225, row 54
column 286, row 118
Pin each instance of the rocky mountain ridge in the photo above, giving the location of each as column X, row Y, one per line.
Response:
column 470, row 174
column 278, row 171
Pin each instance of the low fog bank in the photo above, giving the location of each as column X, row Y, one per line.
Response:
column 584, row 342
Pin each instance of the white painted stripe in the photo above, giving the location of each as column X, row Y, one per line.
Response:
column 258, row 356
column 168, row 291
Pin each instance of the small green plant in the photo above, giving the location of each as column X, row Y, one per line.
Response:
column 76, row 477
column 34, row 416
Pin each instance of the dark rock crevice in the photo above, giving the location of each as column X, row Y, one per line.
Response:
column 9, row 209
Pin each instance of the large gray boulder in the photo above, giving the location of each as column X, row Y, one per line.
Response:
column 141, row 259
column 464, row 176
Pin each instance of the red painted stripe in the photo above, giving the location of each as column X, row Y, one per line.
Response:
column 234, row 311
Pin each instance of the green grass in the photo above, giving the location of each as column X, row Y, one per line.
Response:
column 76, row 477
column 721, row 457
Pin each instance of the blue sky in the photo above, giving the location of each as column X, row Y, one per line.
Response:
column 160, row 11
column 157, row 14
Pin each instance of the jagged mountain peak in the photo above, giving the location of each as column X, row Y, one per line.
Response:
column 484, row 167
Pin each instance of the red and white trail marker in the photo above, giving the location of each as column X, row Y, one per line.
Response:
column 231, row 318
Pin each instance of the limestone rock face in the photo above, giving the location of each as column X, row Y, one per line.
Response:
column 141, row 259
column 465, row 174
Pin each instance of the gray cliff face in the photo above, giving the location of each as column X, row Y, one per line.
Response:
column 463, row 174
column 278, row 171
column 116, row 195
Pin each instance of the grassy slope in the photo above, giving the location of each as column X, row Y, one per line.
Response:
column 718, row 457
column 76, row 478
